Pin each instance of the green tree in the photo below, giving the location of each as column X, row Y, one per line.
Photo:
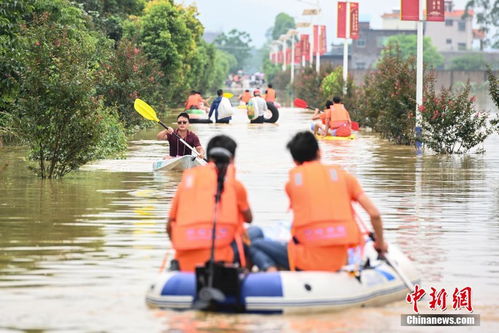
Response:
column 469, row 62
column 236, row 43
column 408, row 45
column 282, row 23
column 108, row 15
column 451, row 124
column 57, row 114
column 487, row 17
column 332, row 85
column 170, row 35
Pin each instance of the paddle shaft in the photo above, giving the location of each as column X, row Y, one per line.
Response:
column 181, row 140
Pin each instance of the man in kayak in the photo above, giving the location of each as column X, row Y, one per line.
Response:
column 192, row 212
column 177, row 148
column 222, row 108
column 259, row 105
column 324, row 225
column 338, row 119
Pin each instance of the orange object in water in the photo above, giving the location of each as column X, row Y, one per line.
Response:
column 246, row 96
column 338, row 116
column 270, row 95
column 323, row 216
column 195, row 204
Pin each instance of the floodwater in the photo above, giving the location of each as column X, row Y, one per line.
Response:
column 77, row 255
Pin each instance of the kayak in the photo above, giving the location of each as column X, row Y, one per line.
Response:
column 179, row 163
column 333, row 138
column 377, row 283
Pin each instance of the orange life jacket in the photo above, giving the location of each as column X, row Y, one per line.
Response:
column 192, row 101
column 246, row 96
column 270, row 95
column 192, row 229
column 339, row 116
column 322, row 212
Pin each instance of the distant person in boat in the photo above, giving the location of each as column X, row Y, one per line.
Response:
column 190, row 220
column 245, row 97
column 319, row 120
column 270, row 94
column 338, row 119
column 324, row 225
column 177, row 148
column 259, row 105
column 222, row 108
column 195, row 101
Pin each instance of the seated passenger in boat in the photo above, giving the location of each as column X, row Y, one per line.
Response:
column 177, row 148
column 324, row 226
column 319, row 121
column 190, row 220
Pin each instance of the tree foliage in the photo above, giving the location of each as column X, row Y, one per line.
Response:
column 469, row 62
column 487, row 17
column 283, row 22
column 57, row 115
column 451, row 123
column 408, row 47
column 236, row 43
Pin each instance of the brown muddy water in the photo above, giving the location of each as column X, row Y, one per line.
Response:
column 77, row 255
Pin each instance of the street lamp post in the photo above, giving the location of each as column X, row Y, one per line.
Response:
column 312, row 12
column 345, row 47
column 292, row 33
column 284, row 43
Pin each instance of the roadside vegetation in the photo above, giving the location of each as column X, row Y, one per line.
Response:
column 72, row 69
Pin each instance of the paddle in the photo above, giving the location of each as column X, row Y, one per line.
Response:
column 146, row 111
column 300, row 103
column 386, row 256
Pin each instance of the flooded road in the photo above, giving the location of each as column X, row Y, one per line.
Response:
column 77, row 255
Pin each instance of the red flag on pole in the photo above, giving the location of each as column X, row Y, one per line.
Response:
column 273, row 58
column 279, row 57
column 341, row 26
column 435, row 10
column 409, row 10
column 306, row 46
column 323, row 45
column 354, row 20
column 316, row 39
column 298, row 48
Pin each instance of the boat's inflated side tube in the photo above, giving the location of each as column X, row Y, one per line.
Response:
column 275, row 113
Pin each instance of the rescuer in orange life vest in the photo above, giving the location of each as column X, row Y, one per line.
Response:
column 192, row 212
column 270, row 94
column 323, row 225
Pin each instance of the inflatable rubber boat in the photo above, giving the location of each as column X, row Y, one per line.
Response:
column 374, row 283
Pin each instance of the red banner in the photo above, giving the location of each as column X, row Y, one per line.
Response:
column 315, row 48
column 323, row 45
column 354, row 20
column 409, row 10
column 306, row 46
column 341, row 26
column 298, row 52
column 435, row 10
column 274, row 58
column 279, row 57
column 288, row 56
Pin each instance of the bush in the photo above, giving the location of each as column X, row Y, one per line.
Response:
column 57, row 114
column 388, row 97
column 307, row 85
column 451, row 124
column 494, row 94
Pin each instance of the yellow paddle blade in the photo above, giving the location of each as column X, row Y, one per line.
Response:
column 145, row 110
column 228, row 95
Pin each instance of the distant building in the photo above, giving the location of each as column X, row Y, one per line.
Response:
column 455, row 34
column 366, row 49
column 335, row 56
